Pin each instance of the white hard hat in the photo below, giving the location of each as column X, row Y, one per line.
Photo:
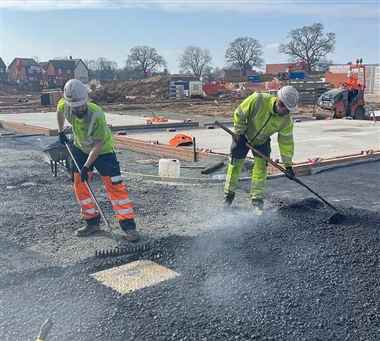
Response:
column 289, row 96
column 75, row 93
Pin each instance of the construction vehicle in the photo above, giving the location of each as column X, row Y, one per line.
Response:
column 215, row 88
column 348, row 99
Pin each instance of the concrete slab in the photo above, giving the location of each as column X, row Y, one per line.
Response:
column 327, row 138
column 134, row 276
column 48, row 119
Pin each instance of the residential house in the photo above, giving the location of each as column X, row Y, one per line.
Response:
column 24, row 71
column 59, row 71
column 3, row 70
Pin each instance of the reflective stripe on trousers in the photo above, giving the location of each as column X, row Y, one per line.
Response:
column 259, row 177
column 118, row 195
column 233, row 173
column 88, row 208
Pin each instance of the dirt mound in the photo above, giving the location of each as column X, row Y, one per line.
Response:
column 131, row 91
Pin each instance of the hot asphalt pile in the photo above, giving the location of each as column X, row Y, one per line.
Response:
column 286, row 276
column 289, row 276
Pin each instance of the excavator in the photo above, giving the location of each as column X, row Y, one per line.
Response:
column 348, row 99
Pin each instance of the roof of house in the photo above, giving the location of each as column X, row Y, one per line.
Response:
column 66, row 64
column 25, row 61
column 44, row 65
column 2, row 64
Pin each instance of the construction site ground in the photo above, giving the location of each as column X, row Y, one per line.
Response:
column 49, row 119
column 288, row 275
column 315, row 139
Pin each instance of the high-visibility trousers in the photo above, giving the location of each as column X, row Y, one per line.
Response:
column 239, row 151
column 109, row 169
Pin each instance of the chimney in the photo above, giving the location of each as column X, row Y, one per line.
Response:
column 70, row 57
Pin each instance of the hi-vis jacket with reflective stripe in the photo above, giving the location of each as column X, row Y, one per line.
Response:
column 91, row 128
column 255, row 112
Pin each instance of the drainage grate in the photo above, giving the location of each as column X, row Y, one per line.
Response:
column 134, row 276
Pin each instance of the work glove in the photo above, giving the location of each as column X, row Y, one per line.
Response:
column 84, row 173
column 238, row 147
column 290, row 172
column 62, row 138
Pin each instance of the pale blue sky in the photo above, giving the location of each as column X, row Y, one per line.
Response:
column 99, row 28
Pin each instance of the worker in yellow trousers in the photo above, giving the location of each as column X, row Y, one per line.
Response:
column 255, row 120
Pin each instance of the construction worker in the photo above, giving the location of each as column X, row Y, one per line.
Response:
column 255, row 120
column 94, row 146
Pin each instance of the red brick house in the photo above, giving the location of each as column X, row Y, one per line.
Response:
column 24, row 70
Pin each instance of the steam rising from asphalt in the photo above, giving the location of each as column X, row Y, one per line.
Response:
column 227, row 232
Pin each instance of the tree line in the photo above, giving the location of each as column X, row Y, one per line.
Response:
column 308, row 44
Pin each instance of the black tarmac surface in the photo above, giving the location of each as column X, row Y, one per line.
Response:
column 288, row 275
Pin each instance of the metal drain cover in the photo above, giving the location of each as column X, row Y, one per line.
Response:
column 134, row 276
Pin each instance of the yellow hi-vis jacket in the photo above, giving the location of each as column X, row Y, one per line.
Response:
column 257, row 111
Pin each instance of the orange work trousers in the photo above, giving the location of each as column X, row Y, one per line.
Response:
column 109, row 169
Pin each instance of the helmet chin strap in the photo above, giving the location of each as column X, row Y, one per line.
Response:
column 275, row 105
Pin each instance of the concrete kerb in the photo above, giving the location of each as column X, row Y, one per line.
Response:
column 186, row 181
column 321, row 169
column 27, row 128
column 210, row 181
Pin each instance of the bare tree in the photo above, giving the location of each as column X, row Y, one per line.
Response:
column 195, row 60
column 213, row 74
column 244, row 53
column 145, row 59
column 309, row 45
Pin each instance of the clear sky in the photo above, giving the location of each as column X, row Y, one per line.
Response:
column 98, row 28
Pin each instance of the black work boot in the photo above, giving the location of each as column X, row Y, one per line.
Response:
column 128, row 226
column 228, row 199
column 92, row 226
column 258, row 206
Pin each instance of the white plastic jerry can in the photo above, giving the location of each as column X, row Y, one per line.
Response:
column 169, row 168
